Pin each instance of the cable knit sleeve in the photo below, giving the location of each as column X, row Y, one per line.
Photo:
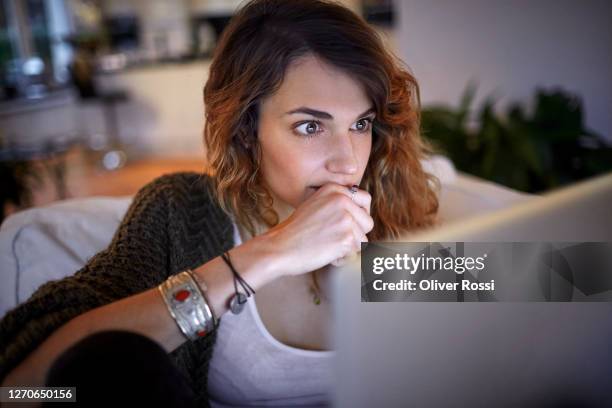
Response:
column 137, row 259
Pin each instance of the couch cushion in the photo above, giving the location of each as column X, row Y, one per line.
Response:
column 50, row 242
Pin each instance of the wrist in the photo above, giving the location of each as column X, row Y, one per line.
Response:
column 258, row 261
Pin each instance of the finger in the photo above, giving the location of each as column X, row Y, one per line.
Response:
column 361, row 197
column 344, row 260
column 360, row 216
column 359, row 238
column 339, row 261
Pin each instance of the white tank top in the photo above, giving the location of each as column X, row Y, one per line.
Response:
column 249, row 367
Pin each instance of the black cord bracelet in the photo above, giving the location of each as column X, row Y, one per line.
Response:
column 243, row 283
column 237, row 302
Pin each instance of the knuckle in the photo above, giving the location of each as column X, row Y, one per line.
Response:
column 334, row 201
column 370, row 224
column 331, row 199
column 346, row 220
column 348, row 241
column 344, row 200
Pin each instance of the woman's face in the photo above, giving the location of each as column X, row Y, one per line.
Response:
column 314, row 130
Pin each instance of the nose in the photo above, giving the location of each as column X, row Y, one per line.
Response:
column 341, row 158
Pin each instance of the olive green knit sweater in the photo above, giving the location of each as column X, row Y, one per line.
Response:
column 173, row 224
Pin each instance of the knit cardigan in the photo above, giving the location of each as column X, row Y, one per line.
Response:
column 173, row 224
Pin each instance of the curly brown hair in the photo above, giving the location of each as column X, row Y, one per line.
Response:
column 249, row 64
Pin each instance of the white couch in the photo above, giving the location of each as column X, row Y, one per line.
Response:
column 47, row 243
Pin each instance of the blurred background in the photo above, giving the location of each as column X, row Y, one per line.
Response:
column 98, row 97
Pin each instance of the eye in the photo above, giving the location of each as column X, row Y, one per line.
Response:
column 311, row 128
column 363, row 125
column 308, row 129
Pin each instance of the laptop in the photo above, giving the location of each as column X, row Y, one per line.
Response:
column 491, row 354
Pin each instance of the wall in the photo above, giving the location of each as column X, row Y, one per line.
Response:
column 511, row 47
column 165, row 114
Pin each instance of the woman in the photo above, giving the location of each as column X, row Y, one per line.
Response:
column 302, row 103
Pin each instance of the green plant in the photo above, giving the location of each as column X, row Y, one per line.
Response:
column 532, row 152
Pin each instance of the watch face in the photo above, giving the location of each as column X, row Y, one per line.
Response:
column 237, row 303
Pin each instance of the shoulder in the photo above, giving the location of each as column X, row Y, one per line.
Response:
column 181, row 182
column 182, row 205
column 184, row 188
column 184, row 195
column 177, row 194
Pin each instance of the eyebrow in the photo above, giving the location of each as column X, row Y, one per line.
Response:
column 320, row 114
